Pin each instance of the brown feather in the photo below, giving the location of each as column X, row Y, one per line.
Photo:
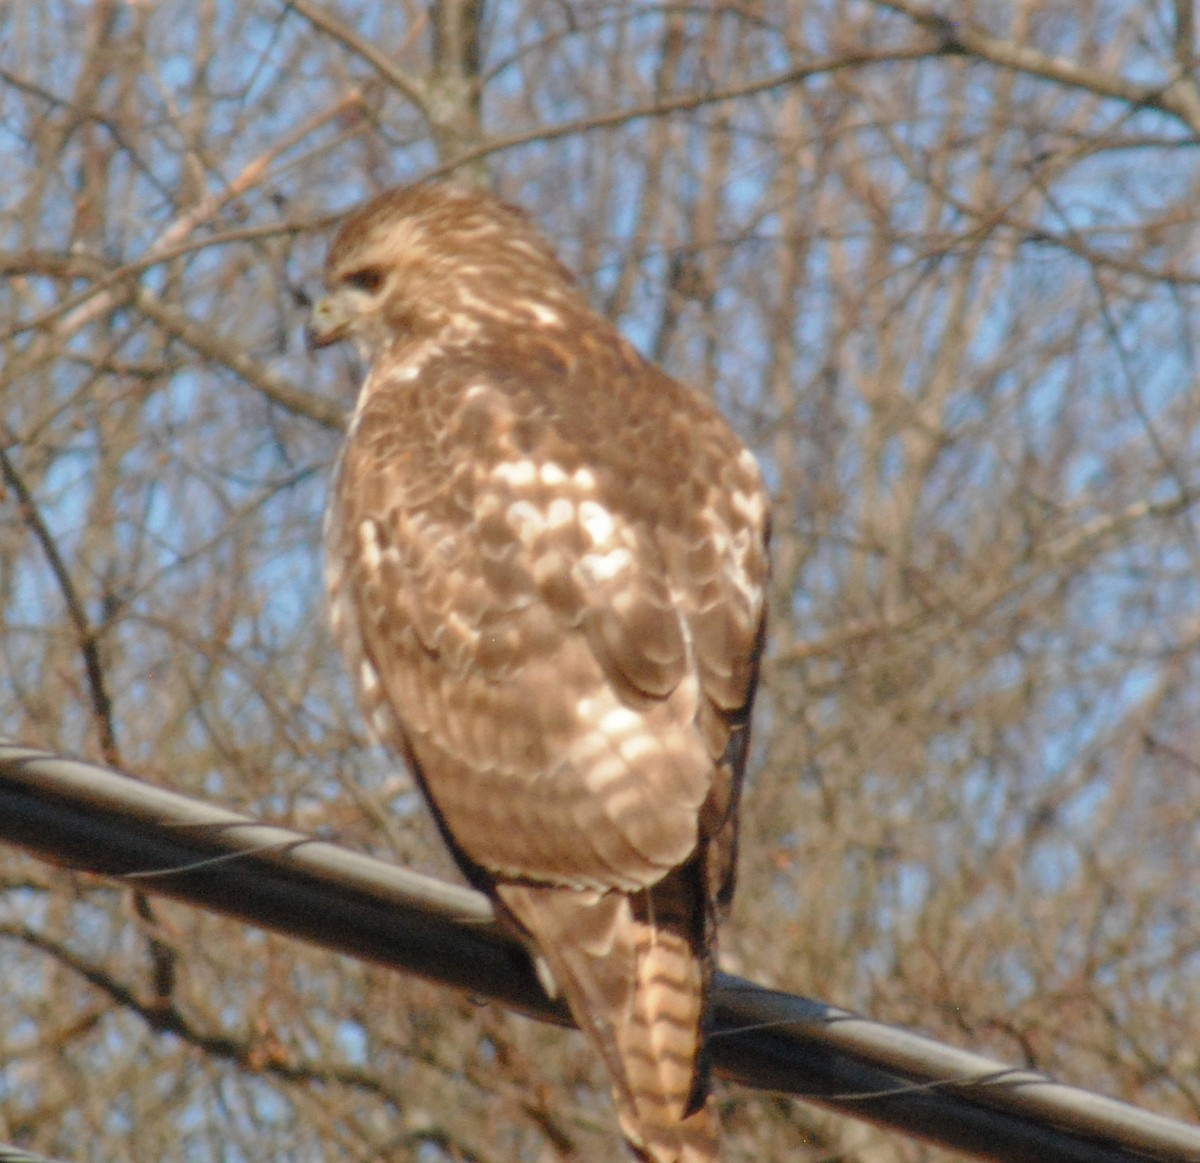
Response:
column 546, row 565
column 635, row 971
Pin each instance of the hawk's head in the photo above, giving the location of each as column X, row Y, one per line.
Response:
column 421, row 259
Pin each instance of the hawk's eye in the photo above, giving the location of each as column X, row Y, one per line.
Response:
column 368, row 279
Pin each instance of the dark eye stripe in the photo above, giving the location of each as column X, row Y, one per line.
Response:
column 369, row 279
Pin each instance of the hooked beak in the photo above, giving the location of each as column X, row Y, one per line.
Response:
column 328, row 322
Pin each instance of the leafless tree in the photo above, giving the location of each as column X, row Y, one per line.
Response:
column 939, row 265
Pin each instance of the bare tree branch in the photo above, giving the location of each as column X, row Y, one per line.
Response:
column 1177, row 96
column 411, row 87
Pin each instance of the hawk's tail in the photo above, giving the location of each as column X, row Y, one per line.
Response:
column 635, row 971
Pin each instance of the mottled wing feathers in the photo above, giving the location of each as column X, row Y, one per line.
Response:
column 526, row 628
column 546, row 567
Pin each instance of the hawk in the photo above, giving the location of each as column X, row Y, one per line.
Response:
column 546, row 563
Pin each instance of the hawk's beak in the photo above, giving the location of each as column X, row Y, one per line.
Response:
column 328, row 322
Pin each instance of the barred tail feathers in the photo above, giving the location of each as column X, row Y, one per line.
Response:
column 634, row 971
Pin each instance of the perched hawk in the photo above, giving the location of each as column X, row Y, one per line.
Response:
column 546, row 563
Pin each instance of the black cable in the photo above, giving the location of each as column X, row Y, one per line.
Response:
column 90, row 817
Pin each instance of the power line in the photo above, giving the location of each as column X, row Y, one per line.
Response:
column 10, row 1154
column 93, row 818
